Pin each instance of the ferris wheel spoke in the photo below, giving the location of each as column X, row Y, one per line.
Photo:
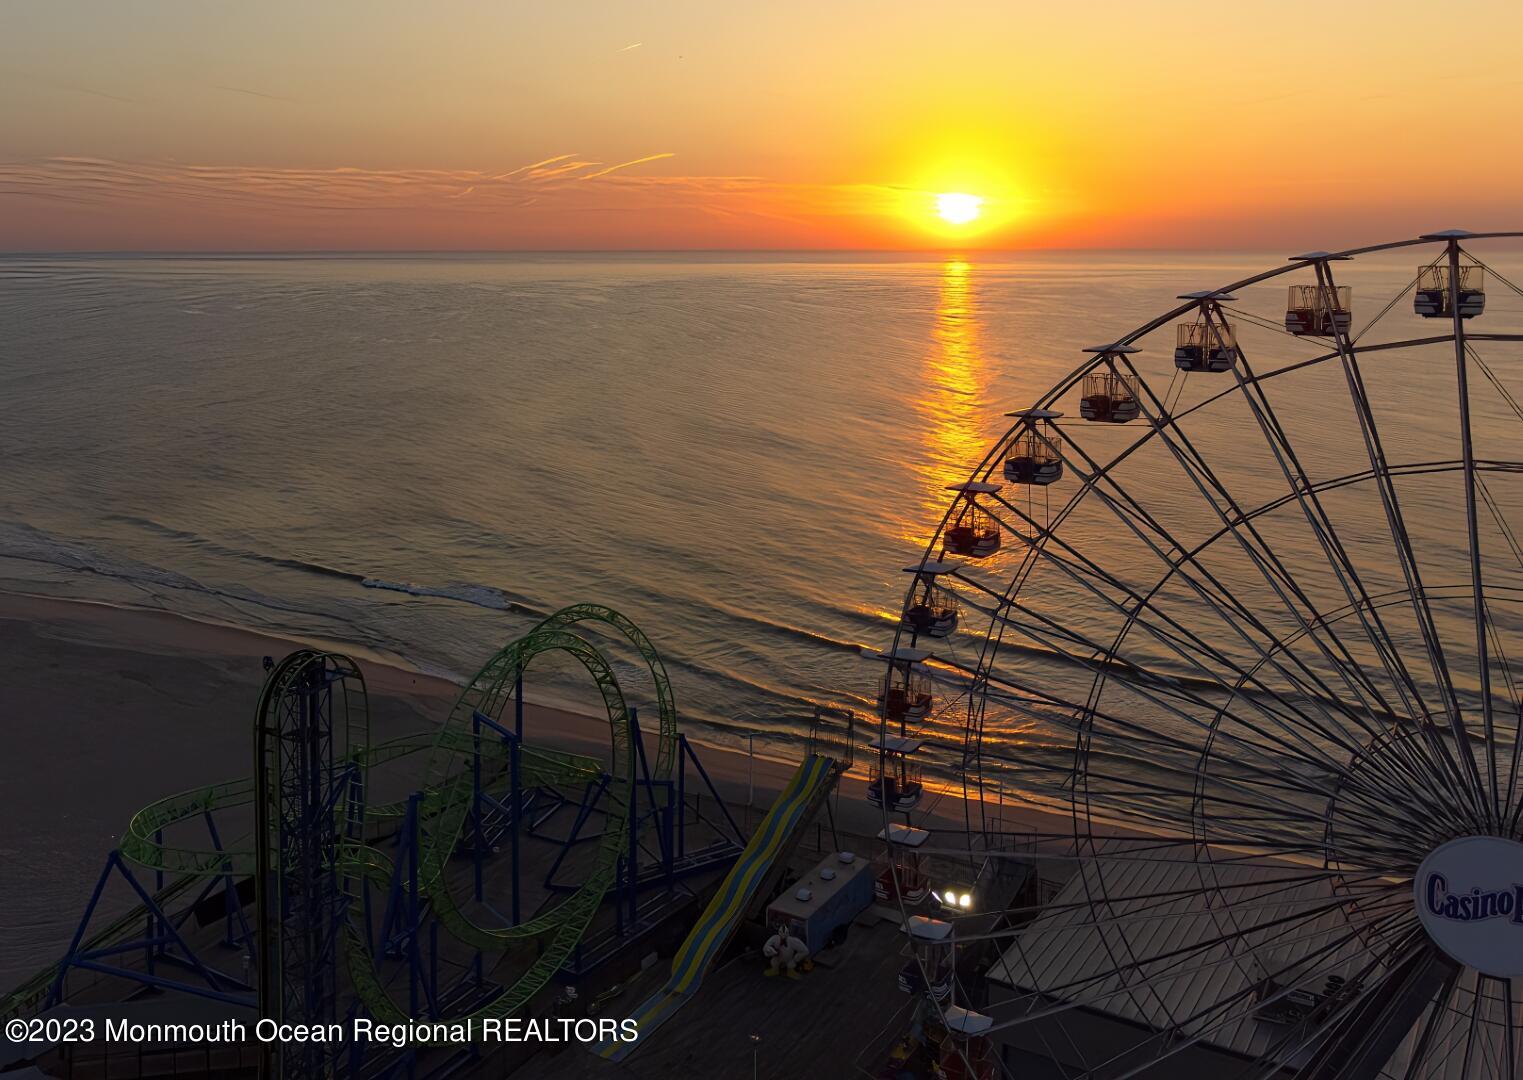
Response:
column 1509, row 1018
column 1199, row 962
column 1475, row 1018
column 1242, row 614
column 1500, row 387
column 1239, row 524
column 1493, row 272
column 1514, row 694
column 1402, row 542
column 1183, row 642
column 1053, row 631
column 1246, row 618
column 1321, row 525
column 1320, row 358
column 1438, row 1012
column 1160, row 691
column 1151, row 809
column 1192, row 959
column 1313, row 1037
column 1498, row 1026
column 1232, row 615
column 1467, row 449
column 1326, row 1038
column 1259, row 552
column 1162, row 914
column 1218, row 597
column 1120, row 849
column 1162, row 907
column 1348, row 577
column 1208, row 1021
column 1406, row 291
column 1182, row 747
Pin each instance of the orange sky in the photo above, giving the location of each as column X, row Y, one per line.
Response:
column 365, row 125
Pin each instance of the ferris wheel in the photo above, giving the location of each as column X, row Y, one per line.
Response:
column 1235, row 607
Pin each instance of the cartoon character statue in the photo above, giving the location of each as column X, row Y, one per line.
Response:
column 786, row 953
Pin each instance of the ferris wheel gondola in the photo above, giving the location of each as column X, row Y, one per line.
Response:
column 1034, row 458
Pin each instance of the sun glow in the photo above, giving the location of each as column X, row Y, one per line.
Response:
column 957, row 208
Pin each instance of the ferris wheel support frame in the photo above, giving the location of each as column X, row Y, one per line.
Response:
column 1364, row 1033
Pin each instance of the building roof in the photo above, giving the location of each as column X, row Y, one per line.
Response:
column 830, row 877
column 906, row 835
column 1156, row 938
column 895, row 744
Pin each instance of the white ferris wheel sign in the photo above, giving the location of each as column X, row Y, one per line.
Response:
column 1469, row 895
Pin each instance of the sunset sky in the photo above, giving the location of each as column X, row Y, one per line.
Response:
column 366, row 125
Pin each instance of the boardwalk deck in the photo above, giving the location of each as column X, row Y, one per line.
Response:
column 824, row 1024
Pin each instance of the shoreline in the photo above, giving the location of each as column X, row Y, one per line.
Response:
column 109, row 708
column 166, row 633
column 177, row 633
column 160, row 632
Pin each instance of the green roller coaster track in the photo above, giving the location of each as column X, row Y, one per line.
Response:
column 444, row 810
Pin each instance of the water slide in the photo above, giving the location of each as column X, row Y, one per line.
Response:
column 792, row 810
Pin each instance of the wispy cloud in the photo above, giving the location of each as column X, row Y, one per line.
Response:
column 636, row 45
column 537, row 197
column 253, row 93
column 103, row 180
column 626, row 165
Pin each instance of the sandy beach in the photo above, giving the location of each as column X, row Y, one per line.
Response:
column 131, row 705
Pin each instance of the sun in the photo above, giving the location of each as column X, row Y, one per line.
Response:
column 957, row 208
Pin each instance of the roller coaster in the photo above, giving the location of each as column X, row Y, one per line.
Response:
column 344, row 905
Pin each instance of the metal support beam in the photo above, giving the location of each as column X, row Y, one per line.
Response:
column 1370, row 1034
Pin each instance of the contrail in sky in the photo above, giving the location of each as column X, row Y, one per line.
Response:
column 253, row 93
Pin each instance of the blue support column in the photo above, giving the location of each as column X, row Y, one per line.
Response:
column 633, row 817
column 518, row 797
column 650, row 791
column 233, row 906
column 413, row 966
column 590, row 798
column 516, row 802
column 155, row 932
column 618, row 892
column 433, row 969
column 479, row 834
column 697, row 764
column 218, row 986
column 55, row 995
column 681, row 796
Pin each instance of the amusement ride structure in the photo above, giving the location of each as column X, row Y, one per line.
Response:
column 416, row 912
column 1235, row 602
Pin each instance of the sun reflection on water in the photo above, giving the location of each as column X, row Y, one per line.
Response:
column 952, row 400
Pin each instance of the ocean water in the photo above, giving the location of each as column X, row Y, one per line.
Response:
column 422, row 456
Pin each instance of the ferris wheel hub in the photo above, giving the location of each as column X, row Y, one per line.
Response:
column 1469, row 897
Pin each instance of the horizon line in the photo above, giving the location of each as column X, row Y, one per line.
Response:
column 953, row 252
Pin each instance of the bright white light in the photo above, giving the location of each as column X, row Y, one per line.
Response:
column 966, row 900
column 958, row 208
